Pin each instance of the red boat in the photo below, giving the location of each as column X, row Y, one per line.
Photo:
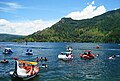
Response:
column 87, row 56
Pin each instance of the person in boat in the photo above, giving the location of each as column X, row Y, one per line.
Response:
column 27, row 50
column 41, row 59
column 97, row 46
column 69, row 49
column 44, row 65
column 61, row 53
column 37, row 59
column 26, row 42
column 31, row 50
column 32, row 72
column 112, row 57
column 6, row 50
column 4, row 61
column 84, row 55
column 24, row 66
column 45, row 59
column 67, row 55
column 85, row 52
column 89, row 53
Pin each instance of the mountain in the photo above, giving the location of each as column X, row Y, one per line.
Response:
column 102, row 28
column 9, row 37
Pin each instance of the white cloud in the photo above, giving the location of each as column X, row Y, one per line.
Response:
column 8, row 6
column 23, row 28
column 88, row 12
column 29, row 27
column 13, row 5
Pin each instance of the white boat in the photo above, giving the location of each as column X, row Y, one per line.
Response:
column 7, row 51
column 65, row 56
column 111, row 58
column 25, row 70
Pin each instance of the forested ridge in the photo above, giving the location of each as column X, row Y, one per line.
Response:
column 102, row 28
column 9, row 37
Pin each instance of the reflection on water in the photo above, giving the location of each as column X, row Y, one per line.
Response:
column 98, row 69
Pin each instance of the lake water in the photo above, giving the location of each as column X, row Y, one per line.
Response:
column 99, row 69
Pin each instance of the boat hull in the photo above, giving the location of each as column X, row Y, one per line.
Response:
column 85, row 57
column 29, row 53
column 22, row 78
column 64, row 57
column 25, row 71
column 2, row 61
column 7, row 52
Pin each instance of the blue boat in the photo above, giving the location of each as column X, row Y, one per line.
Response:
column 7, row 51
column 29, row 52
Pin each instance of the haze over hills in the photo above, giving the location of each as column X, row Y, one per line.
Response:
column 102, row 28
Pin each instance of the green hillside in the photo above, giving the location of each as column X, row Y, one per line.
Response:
column 103, row 28
column 8, row 37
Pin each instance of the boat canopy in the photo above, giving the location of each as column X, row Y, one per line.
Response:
column 27, row 62
column 8, row 48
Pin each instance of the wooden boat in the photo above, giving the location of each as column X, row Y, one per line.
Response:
column 25, row 70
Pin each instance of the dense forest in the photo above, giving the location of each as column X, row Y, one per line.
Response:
column 102, row 28
column 9, row 37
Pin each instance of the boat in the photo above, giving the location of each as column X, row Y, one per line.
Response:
column 41, row 59
column 7, row 51
column 4, row 61
column 29, row 52
column 25, row 70
column 44, row 65
column 97, row 47
column 87, row 56
column 65, row 56
column 111, row 57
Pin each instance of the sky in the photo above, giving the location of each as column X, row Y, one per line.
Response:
column 24, row 17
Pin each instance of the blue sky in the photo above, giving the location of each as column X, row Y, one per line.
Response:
column 25, row 17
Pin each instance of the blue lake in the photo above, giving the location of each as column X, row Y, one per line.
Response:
column 99, row 69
